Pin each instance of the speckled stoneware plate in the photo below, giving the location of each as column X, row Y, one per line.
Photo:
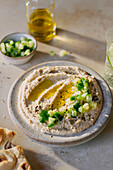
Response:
column 69, row 140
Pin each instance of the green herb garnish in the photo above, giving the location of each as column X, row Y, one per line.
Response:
column 82, row 83
column 58, row 116
column 72, row 98
column 80, row 86
column 87, row 83
column 76, row 106
column 82, row 80
column 44, row 116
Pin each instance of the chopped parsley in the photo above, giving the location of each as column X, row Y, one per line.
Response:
column 44, row 116
column 82, row 80
column 80, row 86
column 72, row 98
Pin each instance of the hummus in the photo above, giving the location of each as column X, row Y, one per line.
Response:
column 60, row 100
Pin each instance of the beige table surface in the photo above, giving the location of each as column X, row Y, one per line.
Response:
column 81, row 29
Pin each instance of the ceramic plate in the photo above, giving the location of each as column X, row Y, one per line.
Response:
column 69, row 140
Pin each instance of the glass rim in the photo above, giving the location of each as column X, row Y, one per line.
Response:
column 107, row 32
column 52, row 5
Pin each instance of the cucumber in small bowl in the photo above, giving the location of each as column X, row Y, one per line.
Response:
column 18, row 48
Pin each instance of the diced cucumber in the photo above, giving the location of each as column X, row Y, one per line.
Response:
column 24, row 42
column 51, row 112
column 12, row 54
column 21, row 46
column 27, row 52
column 79, row 97
column 3, row 50
column 17, row 49
column 93, row 105
column 86, row 106
column 81, row 109
column 22, row 53
column 52, row 53
column 85, row 90
column 62, row 109
column 9, row 47
column 11, row 42
column 88, row 98
column 68, row 114
column 51, row 122
column 30, row 44
column 84, row 95
column 74, row 113
column 2, row 46
column 63, row 53
column 23, row 38
column 15, row 53
column 17, row 44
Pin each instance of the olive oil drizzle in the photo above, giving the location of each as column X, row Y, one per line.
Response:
column 38, row 90
column 64, row 94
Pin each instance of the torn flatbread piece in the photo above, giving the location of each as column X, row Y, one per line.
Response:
column 13, row 159
column 6, row 137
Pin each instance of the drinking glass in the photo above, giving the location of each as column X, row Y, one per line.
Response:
column 41, row 19
column 108, row 70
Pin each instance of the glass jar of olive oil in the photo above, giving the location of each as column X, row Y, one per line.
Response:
column 41, row 19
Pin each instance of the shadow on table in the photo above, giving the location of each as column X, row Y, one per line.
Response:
column 91, row 154
column 78, row 44
column 39, row 161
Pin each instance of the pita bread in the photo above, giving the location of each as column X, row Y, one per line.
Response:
column 13, row 159
column 6, row 137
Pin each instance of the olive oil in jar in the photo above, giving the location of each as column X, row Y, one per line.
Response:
column 42, row 25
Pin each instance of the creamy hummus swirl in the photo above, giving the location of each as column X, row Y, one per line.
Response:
column 50, row 88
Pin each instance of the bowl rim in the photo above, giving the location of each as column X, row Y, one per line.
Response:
column 18, row 58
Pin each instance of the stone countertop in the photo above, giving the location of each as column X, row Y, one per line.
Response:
column 81, row 27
